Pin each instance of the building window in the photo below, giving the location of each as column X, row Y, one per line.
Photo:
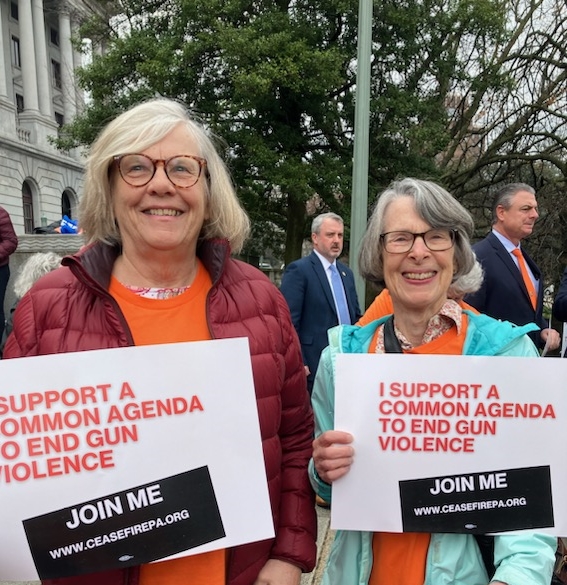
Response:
column 14, row 11
column 60, row 119
column 19, row 103
column 27, row 204
column 54, row 36
column 16, row 59
column 56, row 74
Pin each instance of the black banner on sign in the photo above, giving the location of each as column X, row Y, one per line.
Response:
column 128, row 528
column 479, row 503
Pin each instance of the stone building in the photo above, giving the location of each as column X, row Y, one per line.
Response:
column 38, row 94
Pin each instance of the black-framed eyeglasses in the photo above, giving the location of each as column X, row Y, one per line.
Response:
column 183, row 170
column 436, row 240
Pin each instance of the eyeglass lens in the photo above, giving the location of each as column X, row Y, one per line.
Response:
column 436, row 240
column 138, row 169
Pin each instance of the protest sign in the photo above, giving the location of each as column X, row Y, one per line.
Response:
column 114, row 458
column 451, row 444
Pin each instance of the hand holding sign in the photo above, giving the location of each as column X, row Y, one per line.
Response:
column 97, row 518
column 332, row 455
column 419, row 478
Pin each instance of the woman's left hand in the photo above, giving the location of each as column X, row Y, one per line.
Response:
column 276, row 572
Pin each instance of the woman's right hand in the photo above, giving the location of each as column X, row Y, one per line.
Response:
column 332, row 455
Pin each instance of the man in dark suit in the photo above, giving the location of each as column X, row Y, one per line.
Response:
column 505, row 293
column 307, row 287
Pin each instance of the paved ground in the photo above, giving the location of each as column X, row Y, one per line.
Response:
column 324, row 540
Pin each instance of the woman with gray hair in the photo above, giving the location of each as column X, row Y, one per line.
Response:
column 417, row 243
column 467, row 280
column 162, row 217
column 31, row 271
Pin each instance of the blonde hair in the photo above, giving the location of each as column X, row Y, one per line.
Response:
column 137, row 129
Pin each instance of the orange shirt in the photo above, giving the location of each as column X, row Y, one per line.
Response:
column 399, row 559
column 380, row 307
column 180, row 318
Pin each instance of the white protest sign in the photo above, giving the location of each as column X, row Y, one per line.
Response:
column 452, row 444
column 113, row 458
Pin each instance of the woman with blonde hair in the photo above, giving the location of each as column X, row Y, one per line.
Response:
column 162, row 219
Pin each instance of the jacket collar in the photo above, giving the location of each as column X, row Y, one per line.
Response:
column 485, row 335
column 93, row 264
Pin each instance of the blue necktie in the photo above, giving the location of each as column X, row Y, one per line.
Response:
column 340, row 299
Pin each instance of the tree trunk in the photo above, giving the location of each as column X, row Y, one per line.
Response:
column 296, row 215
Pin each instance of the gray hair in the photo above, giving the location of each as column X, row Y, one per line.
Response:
column 468, row 283
column 505, row 194
column 34, row 268
column 137, row 129
column 440, row 210
column 318, row 221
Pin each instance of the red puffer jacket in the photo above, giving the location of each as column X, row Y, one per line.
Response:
column 8, row 238
column 70, row 310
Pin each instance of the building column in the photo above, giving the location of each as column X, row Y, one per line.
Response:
column 27, row 53
column 77, row 62
column 3, row 82
column 67, row 65
column 41, row 59
column 7, row 107
column 37, row 126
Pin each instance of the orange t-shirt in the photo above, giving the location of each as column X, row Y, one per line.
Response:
column 180, row 318
column 152, row 321
column 399, row 559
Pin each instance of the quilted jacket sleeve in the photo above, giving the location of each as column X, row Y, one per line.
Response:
column 8, row 238
column 246, row 304
column 297, row 529
column 22, row 340
column 58, row 314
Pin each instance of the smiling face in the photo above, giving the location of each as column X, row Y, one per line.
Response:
column 418, row 280
column 517, row 222
column 160, row 217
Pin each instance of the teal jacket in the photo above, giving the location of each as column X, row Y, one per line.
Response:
column 452, row 559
